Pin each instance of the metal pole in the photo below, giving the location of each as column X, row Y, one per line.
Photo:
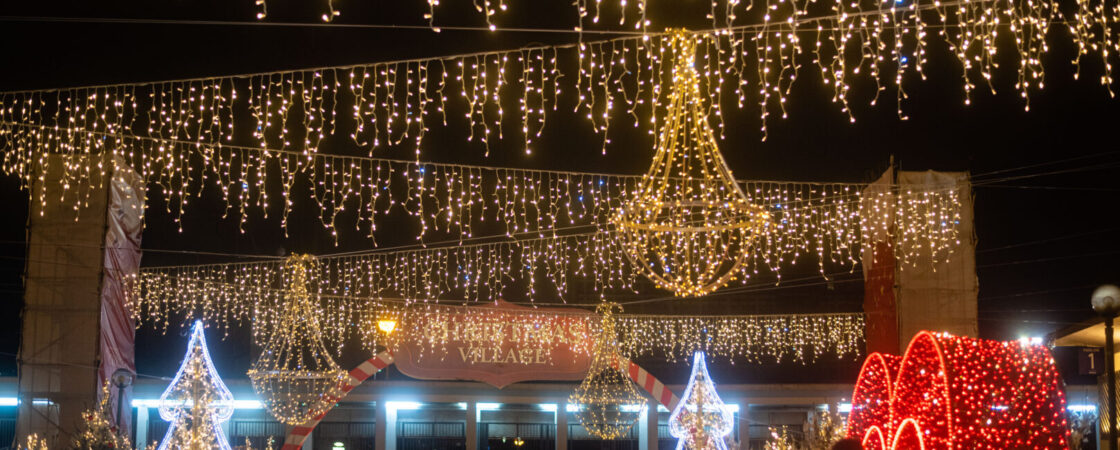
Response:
column 120, row 404
column 1109, row 362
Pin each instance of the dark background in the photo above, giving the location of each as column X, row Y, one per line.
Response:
column 1044, row 242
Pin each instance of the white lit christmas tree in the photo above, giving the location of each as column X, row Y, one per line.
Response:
column 701, row 421
column 196, row 402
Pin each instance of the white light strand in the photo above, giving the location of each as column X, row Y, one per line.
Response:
column 488, row 271
column 612, row 82
column 431, row 329
column 454, row 200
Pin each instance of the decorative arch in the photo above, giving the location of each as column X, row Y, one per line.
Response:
column 872, row 395
column 298, row 434
column 921, row 392
column 909, row 436
column 964, row 393
column 873, row 439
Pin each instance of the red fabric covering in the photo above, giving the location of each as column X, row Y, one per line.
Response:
column 124, row 228
column 879, row 301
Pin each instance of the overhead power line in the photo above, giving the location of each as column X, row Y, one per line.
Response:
column 1049, row 240
column 263, row 24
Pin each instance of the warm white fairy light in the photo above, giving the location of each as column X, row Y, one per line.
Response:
column 830, row 234
column 743, row 66
column 161, row 299
column 824, row 219
column 753, row 338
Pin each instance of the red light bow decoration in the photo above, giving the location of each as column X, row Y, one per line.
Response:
column 948, row 393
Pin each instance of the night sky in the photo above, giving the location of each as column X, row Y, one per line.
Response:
column 1044, row 242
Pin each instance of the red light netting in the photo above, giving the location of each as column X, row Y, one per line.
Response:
column 872, row 396
column 960, row 393
column 873, row 439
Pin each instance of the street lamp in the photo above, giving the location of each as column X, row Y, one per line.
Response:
column 122, row 378
column 1106, row 302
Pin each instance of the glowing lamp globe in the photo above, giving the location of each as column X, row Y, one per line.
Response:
column 1106, row 300
column 386, row 325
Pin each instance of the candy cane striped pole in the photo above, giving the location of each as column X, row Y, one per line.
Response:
column 299, row 433
column 650, row 384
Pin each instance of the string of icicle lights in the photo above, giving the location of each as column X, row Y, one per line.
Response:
column 431, row 328
column 510, row 94
column 675, row 338
column 829, row 235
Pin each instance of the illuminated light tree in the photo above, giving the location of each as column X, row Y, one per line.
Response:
column 196, row 402
column 34, row 442
column 825, row 429
column 98, row 431
column 780, row 439
column 701, row 421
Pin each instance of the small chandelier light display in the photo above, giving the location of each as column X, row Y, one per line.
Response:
column 689, row 226
column 701, row 421
column 609, row 404
column 295, row 376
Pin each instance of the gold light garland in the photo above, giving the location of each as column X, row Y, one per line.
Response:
column 295, row 376
column 825, row 223
column 689, row 227
column 608, row 405
column 802, row 338
column 431, row 327
column 753, row 338
column 827, row 219
column 615, row 81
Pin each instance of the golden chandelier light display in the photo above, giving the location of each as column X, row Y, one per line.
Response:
column 688, row 227
column 295, row 376
column 607, row 401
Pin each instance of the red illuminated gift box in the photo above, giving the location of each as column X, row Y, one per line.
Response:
column 949, row 392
